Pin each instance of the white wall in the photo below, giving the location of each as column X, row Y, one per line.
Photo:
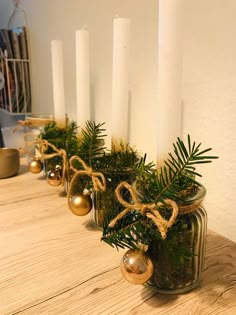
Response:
column 209, row 91
column 58, row 19
column 209, row 94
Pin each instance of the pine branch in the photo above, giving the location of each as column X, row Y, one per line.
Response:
column 130, row 230
column 91, row 143
column 175, row 180
column 62, row 138
column 178, row 165
column 71, row 140
column 118, row 161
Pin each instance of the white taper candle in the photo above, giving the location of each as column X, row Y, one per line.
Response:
column 58, row 82
column 82, row 77
column 169, row 110
column 120, row 80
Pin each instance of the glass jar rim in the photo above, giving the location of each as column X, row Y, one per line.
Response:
column 197, row 198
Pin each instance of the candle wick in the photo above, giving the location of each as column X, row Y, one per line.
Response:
column 85, row 27
column 117, row 16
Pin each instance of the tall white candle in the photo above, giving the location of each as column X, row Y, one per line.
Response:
column 58, row 82
column 82, row 77
column 120, row 81
column 169, row 75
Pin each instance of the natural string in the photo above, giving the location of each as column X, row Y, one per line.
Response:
column 43, row 146
column 184, row 209
column 150, row 210
column 98, row 179
column 29, row 144
column 22, row 123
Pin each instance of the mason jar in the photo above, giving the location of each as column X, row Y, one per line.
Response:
column 179, row 259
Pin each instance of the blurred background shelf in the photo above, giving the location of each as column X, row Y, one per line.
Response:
column 15, row 87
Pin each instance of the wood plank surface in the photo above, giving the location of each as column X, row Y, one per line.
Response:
column 25, row 185
column 52, row 262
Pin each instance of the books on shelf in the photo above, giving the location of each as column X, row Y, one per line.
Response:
column 15, row 96
column 6, row 42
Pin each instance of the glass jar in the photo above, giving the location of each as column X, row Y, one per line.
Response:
column 34, row 124
column 105, row 204
column 56, row 164
column 51, row 164
column 178, row 260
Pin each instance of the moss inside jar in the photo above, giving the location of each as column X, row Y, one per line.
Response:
column 106, row 205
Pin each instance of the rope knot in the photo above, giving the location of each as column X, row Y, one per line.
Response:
column 150, row 210
column 98, row 179
column 90, row 171
column 144, row 208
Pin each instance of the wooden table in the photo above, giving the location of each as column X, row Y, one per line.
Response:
column 52, row 262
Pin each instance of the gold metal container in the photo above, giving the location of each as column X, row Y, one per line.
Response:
column 9, row 162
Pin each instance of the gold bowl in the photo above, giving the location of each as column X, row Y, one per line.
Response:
column 9, row 162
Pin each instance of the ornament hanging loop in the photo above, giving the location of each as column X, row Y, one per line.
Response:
column 98, row 179
column 43, row 146
column 81, row 204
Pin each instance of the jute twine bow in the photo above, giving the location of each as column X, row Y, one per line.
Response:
column 98, row 179
column 150, row 210
column 43, row 146
column 31, row 143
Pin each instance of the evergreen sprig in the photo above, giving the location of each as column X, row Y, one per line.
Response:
column 129, row 231
column 178, row 174
column 171, row 181
column 184, row 160
column 62, row 138
column 118, row 161
column 91, row 144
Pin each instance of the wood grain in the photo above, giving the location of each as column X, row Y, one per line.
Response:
column 25, row 186
column 52, row 262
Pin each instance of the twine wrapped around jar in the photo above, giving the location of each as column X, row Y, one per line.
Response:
column 151, row 209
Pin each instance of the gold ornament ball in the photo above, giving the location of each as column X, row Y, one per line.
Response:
column 35, row 166
column 54, row 178
column 58, row 168
column 80, row 204
column 136, row 267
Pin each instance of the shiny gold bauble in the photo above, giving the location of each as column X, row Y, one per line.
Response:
column 136, row 266
column 35, row 166
column 54, row 178
column 80, row 204
column 58, row 168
